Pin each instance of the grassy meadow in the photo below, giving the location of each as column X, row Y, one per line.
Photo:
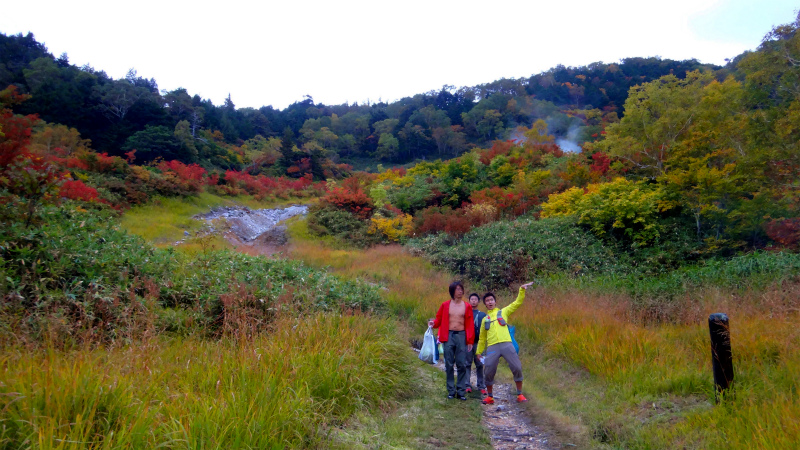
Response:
column 207, row 349
column 324, row 360
column 607, row 373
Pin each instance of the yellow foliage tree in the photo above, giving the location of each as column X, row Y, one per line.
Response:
column 627, row 206
column 393, row 229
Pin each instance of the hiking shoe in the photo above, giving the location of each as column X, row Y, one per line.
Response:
column 484, row 392
column 461, row 397
column 469, row 390
column 521, row 399
column 488, row 401
column 451, row 396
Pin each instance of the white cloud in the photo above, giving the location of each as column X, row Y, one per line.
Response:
column 276, row 52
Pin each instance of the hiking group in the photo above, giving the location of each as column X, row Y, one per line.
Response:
column 460, row 324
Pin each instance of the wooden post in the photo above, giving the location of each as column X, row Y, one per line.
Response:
column 721, row 356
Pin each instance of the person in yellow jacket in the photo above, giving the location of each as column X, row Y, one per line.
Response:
column 495, row 341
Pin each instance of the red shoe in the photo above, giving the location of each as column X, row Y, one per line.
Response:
column 521, row 399
column 488, row 401
column 484, row 392
column 469, row 390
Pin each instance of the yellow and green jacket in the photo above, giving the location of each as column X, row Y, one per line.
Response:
column 497, row 333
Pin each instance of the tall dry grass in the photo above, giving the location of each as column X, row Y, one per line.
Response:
column 637, row 357
column 281, row 390
column 414, row 287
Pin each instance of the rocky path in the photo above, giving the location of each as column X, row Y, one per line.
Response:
column 508, row 422
column 254, row 231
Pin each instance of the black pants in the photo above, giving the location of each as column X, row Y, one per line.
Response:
column 455, row 353
column 472, row 357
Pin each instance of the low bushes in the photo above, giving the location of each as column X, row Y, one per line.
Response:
column 503, row 252
column 76, row 276
column 562, row 253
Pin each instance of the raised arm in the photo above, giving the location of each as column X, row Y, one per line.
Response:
column 518, row 302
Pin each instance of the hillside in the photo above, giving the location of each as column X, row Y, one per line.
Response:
column 131, row 113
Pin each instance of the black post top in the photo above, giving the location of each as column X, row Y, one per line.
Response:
column 718, row 317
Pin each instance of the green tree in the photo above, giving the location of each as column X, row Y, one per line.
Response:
column 388, row 147
column 657, row 116
column 490, row 125
column 154, row 142
column 188, row 151
column 385, row 126
column 537, row 133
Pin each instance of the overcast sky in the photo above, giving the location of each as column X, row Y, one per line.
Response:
column 274, row 53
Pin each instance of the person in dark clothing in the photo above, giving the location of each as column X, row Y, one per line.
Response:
column 474, row 301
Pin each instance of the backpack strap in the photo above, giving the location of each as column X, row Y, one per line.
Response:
column 498, row 319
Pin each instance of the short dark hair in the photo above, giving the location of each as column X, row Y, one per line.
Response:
column 488, row 294
column 474, row 294
column 453, row 287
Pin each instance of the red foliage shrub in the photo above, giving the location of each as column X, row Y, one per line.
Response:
column 454, row 222
column 102, row 163
column 784, row 231
column 261, row 186
column 130, row 156
column 552, row 149
column 510, row 204
column 350, row 197
column 69, row 162
column 189, row 177
column 183, row 171
column 600, row 163
column 77, row 190
column 498, row 148
column 16, row 135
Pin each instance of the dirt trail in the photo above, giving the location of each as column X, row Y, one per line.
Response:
column 509, row 424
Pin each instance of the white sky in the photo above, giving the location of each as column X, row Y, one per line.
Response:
column 273, row 53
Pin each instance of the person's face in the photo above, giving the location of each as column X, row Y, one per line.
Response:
column 474, row 301
column 489, row 302
column 459, row 292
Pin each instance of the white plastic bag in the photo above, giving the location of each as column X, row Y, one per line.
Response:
column 428, row 351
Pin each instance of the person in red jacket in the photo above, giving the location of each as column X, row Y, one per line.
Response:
column 454, row 321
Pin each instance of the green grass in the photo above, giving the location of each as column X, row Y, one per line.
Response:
column 425, row 420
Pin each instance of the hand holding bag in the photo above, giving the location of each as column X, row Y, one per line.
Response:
column 428, row 351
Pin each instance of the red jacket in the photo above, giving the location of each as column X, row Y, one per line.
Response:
column 442, row 322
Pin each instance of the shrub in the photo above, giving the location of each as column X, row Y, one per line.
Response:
column 507, row 203
column 393, row 229
column 350, row 197
column 77, row 276
column 189, row 176
column 503, row 252
column 76, row 190
column 414, row 196
column 630, row 207
column 786, row 232
column 325, row 220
